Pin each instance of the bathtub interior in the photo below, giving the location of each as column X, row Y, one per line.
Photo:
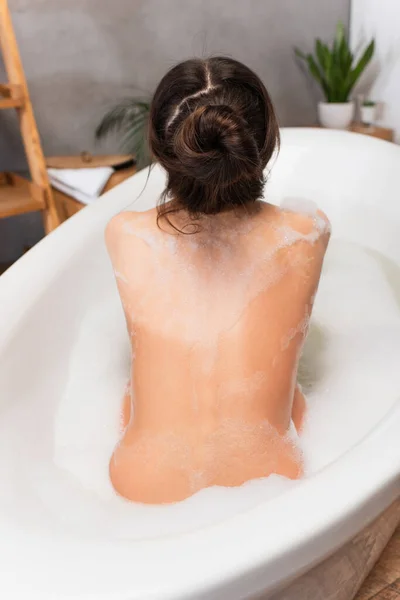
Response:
column 53, row 488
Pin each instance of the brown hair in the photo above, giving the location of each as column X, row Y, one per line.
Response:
column 213, row 128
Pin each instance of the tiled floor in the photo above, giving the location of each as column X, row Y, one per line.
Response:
column 383, row 583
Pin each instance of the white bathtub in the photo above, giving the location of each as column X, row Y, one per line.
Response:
column 269, row 551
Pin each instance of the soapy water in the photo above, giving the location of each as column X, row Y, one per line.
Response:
column 348, row 372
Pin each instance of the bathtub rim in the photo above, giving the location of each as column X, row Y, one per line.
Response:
column 251, row 562
column 340, row 500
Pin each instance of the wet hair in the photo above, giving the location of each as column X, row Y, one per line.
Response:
column 213, row 128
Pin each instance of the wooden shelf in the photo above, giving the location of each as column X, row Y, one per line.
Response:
column 18, row 196
column 86, row 160
column 383, row 133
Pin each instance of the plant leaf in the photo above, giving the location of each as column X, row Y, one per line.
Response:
column 300, row 54
column 130, row 117
column 332, row 67
column 340, row 34
column 134, row 141
column 120, row 116
column 328, row 61
column 321, row 54
column 316, row 73
column 131, row 134
column 360, row 66
column 335, row 82
column 345, row 57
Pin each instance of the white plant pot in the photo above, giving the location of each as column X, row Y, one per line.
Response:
column 368, row 114
column 335, row 115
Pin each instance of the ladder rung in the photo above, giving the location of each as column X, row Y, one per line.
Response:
column 18, row 196
column 11, row 90
column 11, row 103
column 11, row 95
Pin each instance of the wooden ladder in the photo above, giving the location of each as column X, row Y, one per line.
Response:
column 17, row 194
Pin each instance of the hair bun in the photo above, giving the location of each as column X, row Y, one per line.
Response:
column 215, row 146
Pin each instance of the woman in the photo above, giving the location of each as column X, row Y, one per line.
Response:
column 217, row 288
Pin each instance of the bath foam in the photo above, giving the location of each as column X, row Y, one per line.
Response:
column 303, row 206
column 301, row 327
column 198, row 269
column 121, row 277
column 307, row 207
column 350, row 385
column 291, row 236
column 231, row 440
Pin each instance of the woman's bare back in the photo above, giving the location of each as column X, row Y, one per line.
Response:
column 216, row 316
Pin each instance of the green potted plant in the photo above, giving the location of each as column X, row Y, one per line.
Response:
column 130, row 118
column 368, row 112
column 336, row 71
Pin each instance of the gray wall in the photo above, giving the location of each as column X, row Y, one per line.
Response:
column 82, row 55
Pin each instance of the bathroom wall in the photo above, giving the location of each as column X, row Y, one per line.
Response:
column 380, row 20
column 82, row 55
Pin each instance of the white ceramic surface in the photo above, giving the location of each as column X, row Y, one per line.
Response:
column 356, row 180
column 335, row 115
column 340, row 576
column 368, row 114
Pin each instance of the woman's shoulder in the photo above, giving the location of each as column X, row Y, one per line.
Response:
column 128, row 223
column 297, row 229
column 301, row 220
column 304, row 216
